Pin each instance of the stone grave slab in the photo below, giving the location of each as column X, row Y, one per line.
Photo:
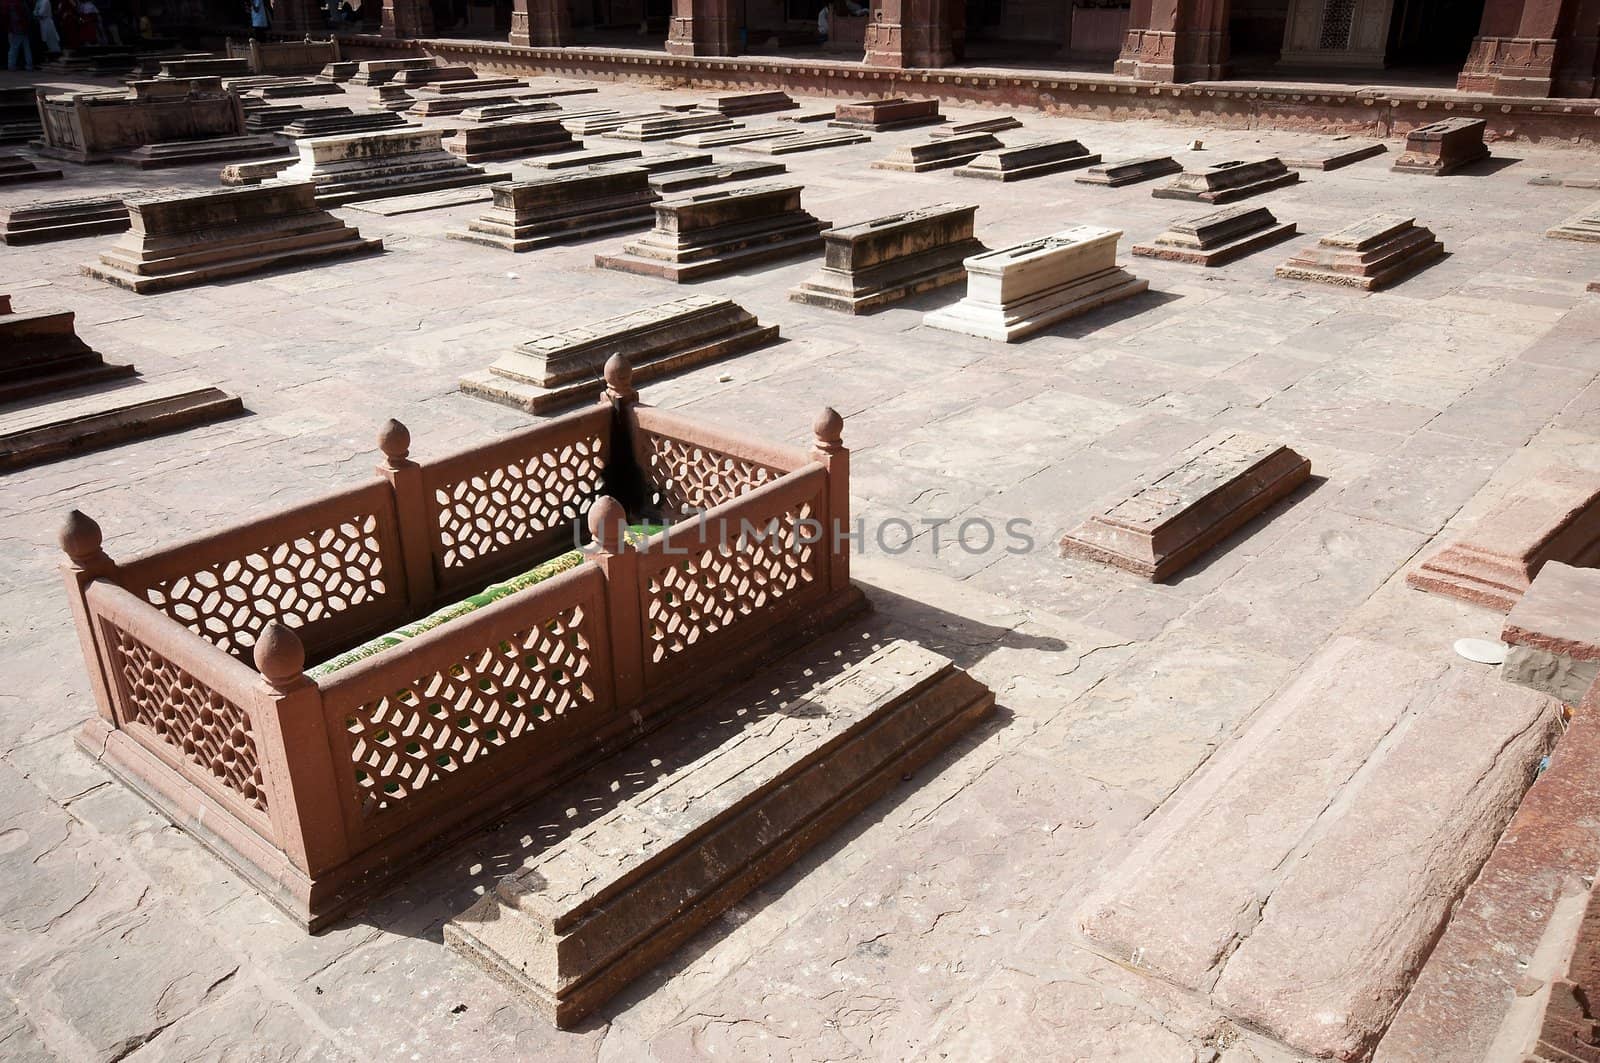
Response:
column 1300, row 878
column 1331, row 154
column 511, row 139
column 340, row 70
column 885, row 260
column 1443, row 147
column 1566, row 180
column 1017, row 291
column 253, row 173
column 453, row 86
column 391, row 98
column 499, row 112
column 742, row 103
column 607, row 157
column 938, row 154
column 667, row 126
column 75, row 423
column 179, row 241
column 1163, row 526
column 885, row 114
column 980, row 125
column 1585, row 226
column 291, row 89
column 1129, row 171
column 1371, row 254
column 189, row 152
column 617, row 896
column 812, row 141
column 395, row 206
column 1553, row 633
column 594, row 125
column 562, row 207
column 40, row 353
column 412, row 77
column 823, row 114
column 16, row 170
column 712, row 233
column 673, row 181
column 1228, row 181
column 66, row 219
column 272, row 119
column 1554, row 515
column 564, row 368
column 430, row 105
column 1018, row 162
column 200, row 68
column 724, row 138
column 392, row 162
column 336, row 125
column 1218, row 238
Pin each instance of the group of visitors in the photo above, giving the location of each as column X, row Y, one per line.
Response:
column 40, row 28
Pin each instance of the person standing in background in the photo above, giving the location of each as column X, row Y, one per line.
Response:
column 15, row 15
column 45, row 15
column 260, row 19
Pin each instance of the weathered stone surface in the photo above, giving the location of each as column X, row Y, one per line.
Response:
column 510, row 139
column 42, row 353
column 688, row 178
column 92, row 127
column 1553, row 632
column 1331, row 154
column 1129, row 171
column 724, row 138
column 1218, row 238
column 335, row 125
column 1228, row 181
column 1371, row 254
column 1443, row 147
column 595, row 124
column 882, row 261
column 457, row 84
column 938, row 154
column 562, row 368
column 608, row 157
column 200, row 68
column 65, row 219
column 804, row 142
column 253, row 173
column 498, row 112
column 382, row 163
column 1552, row 516
column 293, row 88
column 415, row 76
column 189, row 152
column 178, row 241
column 16, row 170
column 564, row 206
column 426, row 104
column 343, row 70
column 1033, row 159
column 1219, row 485
column 666, row 126
column 720, row 232
column 272, row 119
column 53, row 429
column 1584, row 226
column 391, row 98
column 1017, row 291
column 886, row 113
column 743, row 103
column 980, row 125
column 599, row 908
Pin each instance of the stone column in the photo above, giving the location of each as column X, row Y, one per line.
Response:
column 913, row 33
column 1176, row 40
column 703, row 27
column 1577, row 72
column 1515, row 52
column 540, row 23
column 1349, row 33
column 407, row 19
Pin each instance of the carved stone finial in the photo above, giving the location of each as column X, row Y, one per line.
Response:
column 394, row 439
column 619, row 379
column 80, row 537
column 828, row 428
column 280, row 655
column 607, row 523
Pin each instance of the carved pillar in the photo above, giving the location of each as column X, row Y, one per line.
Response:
column 915, row 33
column 407, row 19
column 703, row 27
column 1515, row 52
column 1350, row 33
column 540, row 23
column 1176, row 40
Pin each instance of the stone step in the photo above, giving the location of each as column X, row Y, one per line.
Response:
column 616, row 896
column 1301, row 877
column 75, row 423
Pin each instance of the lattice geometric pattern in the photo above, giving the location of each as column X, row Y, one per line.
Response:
column 697, row 596
column 444, row 721
column 317, row 575
column 485, row 512
column 1338, row 19
column 690, row 478
column 210, row 731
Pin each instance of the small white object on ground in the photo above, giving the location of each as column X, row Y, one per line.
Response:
column 1482, row 651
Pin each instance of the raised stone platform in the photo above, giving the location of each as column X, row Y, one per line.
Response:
column 595, row 124
column 1218, row 238
column 561, row 369
column 666, row 126
column 1228, row 181
column 981, row 125
column 1371, row 254
column 511, row 139
column 333, row 125
column 294, row 89
column 1552, row 516
column 190, row 152
column 253, row 173
column 1583, row 226
column 1166, row 524
column 1018, row 162
column 391, row 98
column 66, row 219
column 1553, row 633
column 202, row 68
column 742, row 103
column 813, row 141
column 720, row 232
column 40, row 353
column 599, row 908
column 885, row 260
column 689, row 178
column 78, row 422
column 938, row 154
column 1129, row 171
column 1017, row 291
column 180, row 241
column 499, row 112
column 724, row 138
column 884, row 114
column 562, row 207
column 445, row 105
column 412, row 77
column 1443, row 147
column 584, row 159
column 1303, row 875
column 1331, row 154
column 340, row 71
column 272, row 119
column 395, row 162
column 16, row 170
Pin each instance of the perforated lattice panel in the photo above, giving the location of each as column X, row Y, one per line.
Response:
column 488, row 511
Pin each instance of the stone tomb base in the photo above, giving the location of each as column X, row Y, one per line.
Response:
column 16, row 170
column 883, row 115
column 713, row 233
column 744, row 103
column 193, row 239
column 393, row 162
column 1584, row 226
column 562, row 369
column 565, row 206
column 1228, row 181
column 885, row 260
column 189, row 152
column 1035, row 159
column 939, row 153
column 1375, row 253
column 1443, row 147
column 66, row 219
column 815, row 141
column 1218, row 238
column 1017, row 291
column 42, row 353
column 1129, row 171
column 509, row 139
column 666, row 126
column 692, row 177
column 1332, row 154
column 597, row 909
column 1167, row 524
